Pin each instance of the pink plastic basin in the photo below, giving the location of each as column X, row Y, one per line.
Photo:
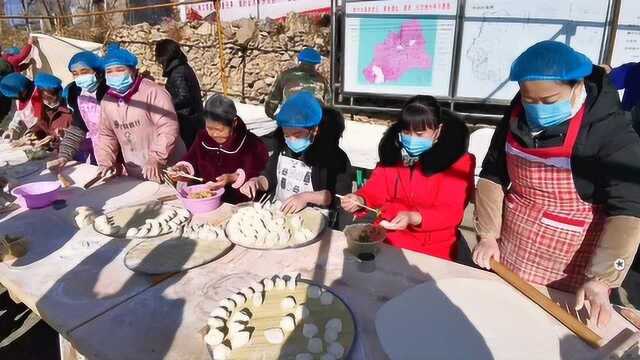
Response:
column 200, row 206
column 37, row 194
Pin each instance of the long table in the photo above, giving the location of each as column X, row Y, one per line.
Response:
column 77, row 282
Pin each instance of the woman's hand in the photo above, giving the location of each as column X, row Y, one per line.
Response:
column 105, row 171
column 225, row 179
column 351, row 202
column 597, row 294
column 251, row 188
column 295, row 203
column 151, row 171
column 484, row 251
column 175, row 171
column 403, row 220
column 56, row 165
column 9, row 134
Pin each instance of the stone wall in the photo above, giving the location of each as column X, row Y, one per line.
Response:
column 255, row 52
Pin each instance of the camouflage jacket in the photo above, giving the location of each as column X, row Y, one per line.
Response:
column 301, row 77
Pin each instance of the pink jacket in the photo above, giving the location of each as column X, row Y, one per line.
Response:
column 143, row 125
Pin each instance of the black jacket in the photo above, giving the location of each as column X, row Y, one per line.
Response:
column 330, row 166
column 451, row 145
column 72, row 102
column 606, row 156
column 184, row 88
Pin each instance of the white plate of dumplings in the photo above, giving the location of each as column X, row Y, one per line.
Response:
column 281, row 317
column 146, row 221
column 266, row 228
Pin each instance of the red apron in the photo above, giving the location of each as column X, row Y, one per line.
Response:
column 548, row 233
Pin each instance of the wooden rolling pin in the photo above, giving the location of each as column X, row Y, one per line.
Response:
column 568, row 320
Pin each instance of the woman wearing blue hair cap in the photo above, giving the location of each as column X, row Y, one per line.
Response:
column 137, row 119
column 558, row 201
column 85, row 94
column 307, row 167
column 18, row 87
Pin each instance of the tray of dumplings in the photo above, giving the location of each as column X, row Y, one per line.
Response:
column 283, row 317
column 143, row 221
column 265, row 227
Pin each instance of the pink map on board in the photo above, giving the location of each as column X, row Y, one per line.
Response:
column 400, row 52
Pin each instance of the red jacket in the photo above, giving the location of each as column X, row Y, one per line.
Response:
column 440, row 198
column 16, row 60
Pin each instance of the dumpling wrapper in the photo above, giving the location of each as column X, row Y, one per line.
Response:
column 275, row 335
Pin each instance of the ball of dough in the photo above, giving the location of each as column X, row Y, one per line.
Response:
column 288, row 322
column 314, row 292
column 280, row 283
column 315, row 345
column 240, row 339
column 304, row 356
column 214, row 337
column 221, row 352
column 331, row 335
column 287, row 303
column 220, row 312
column 334, row 324
column 309, row 330
column 274, row 335
column 258, row 299
column 326, row 298
column 327, row 357
column 336, row 349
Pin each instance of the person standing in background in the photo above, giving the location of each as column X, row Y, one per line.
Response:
column 303, row 77
column 626, row 77
column 17, row 57
column 18, row 87
column 182, row 83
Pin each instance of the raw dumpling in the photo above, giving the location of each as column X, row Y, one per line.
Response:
column 220, row 312
column 221, row 352
column 258, row 299
column 292, row 282
column 258, row 287
column 334, row 324
column 295, row 222
column 315, row 345
column 239, row 298
column 302, row 312
column 280, row 283
column 214, row 336
column 247, row 292
column 288, row 322
column 215, row 322
column 326, row 298
column 336, row 349
column 314, row 292
column 240, row 339
column 309, row 330
column 268, row 284
column 132, row 232
column 288, row 302
column 236, row 327
column 241, row 315
column 331, row 335
column 229, row 304
column 275, row 336
column 144, row 230
column 299, row 237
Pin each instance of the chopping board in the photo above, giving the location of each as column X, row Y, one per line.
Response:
column 174, row 253
column 465, row 319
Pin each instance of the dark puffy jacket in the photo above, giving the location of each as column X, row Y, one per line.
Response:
column 605, row 156
column 184, row 88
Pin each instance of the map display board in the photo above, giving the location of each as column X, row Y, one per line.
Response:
column 627, row 44
column 495, row 32
column 399, row 47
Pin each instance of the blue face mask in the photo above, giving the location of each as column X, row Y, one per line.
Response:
column 415, row 145
column 87, row 82
column 120, row 83
column 542, row 116
column 297, row 145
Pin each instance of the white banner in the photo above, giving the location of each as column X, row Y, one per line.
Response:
column 259, row 9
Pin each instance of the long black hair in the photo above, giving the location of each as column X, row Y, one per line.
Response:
column 418, row 114
column 168, row 50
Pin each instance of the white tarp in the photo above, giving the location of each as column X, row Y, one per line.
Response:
column 54, row 53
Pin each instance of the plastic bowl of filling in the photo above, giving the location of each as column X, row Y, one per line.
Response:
column 37, row 194
column 200, row 199
column 364, row 238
